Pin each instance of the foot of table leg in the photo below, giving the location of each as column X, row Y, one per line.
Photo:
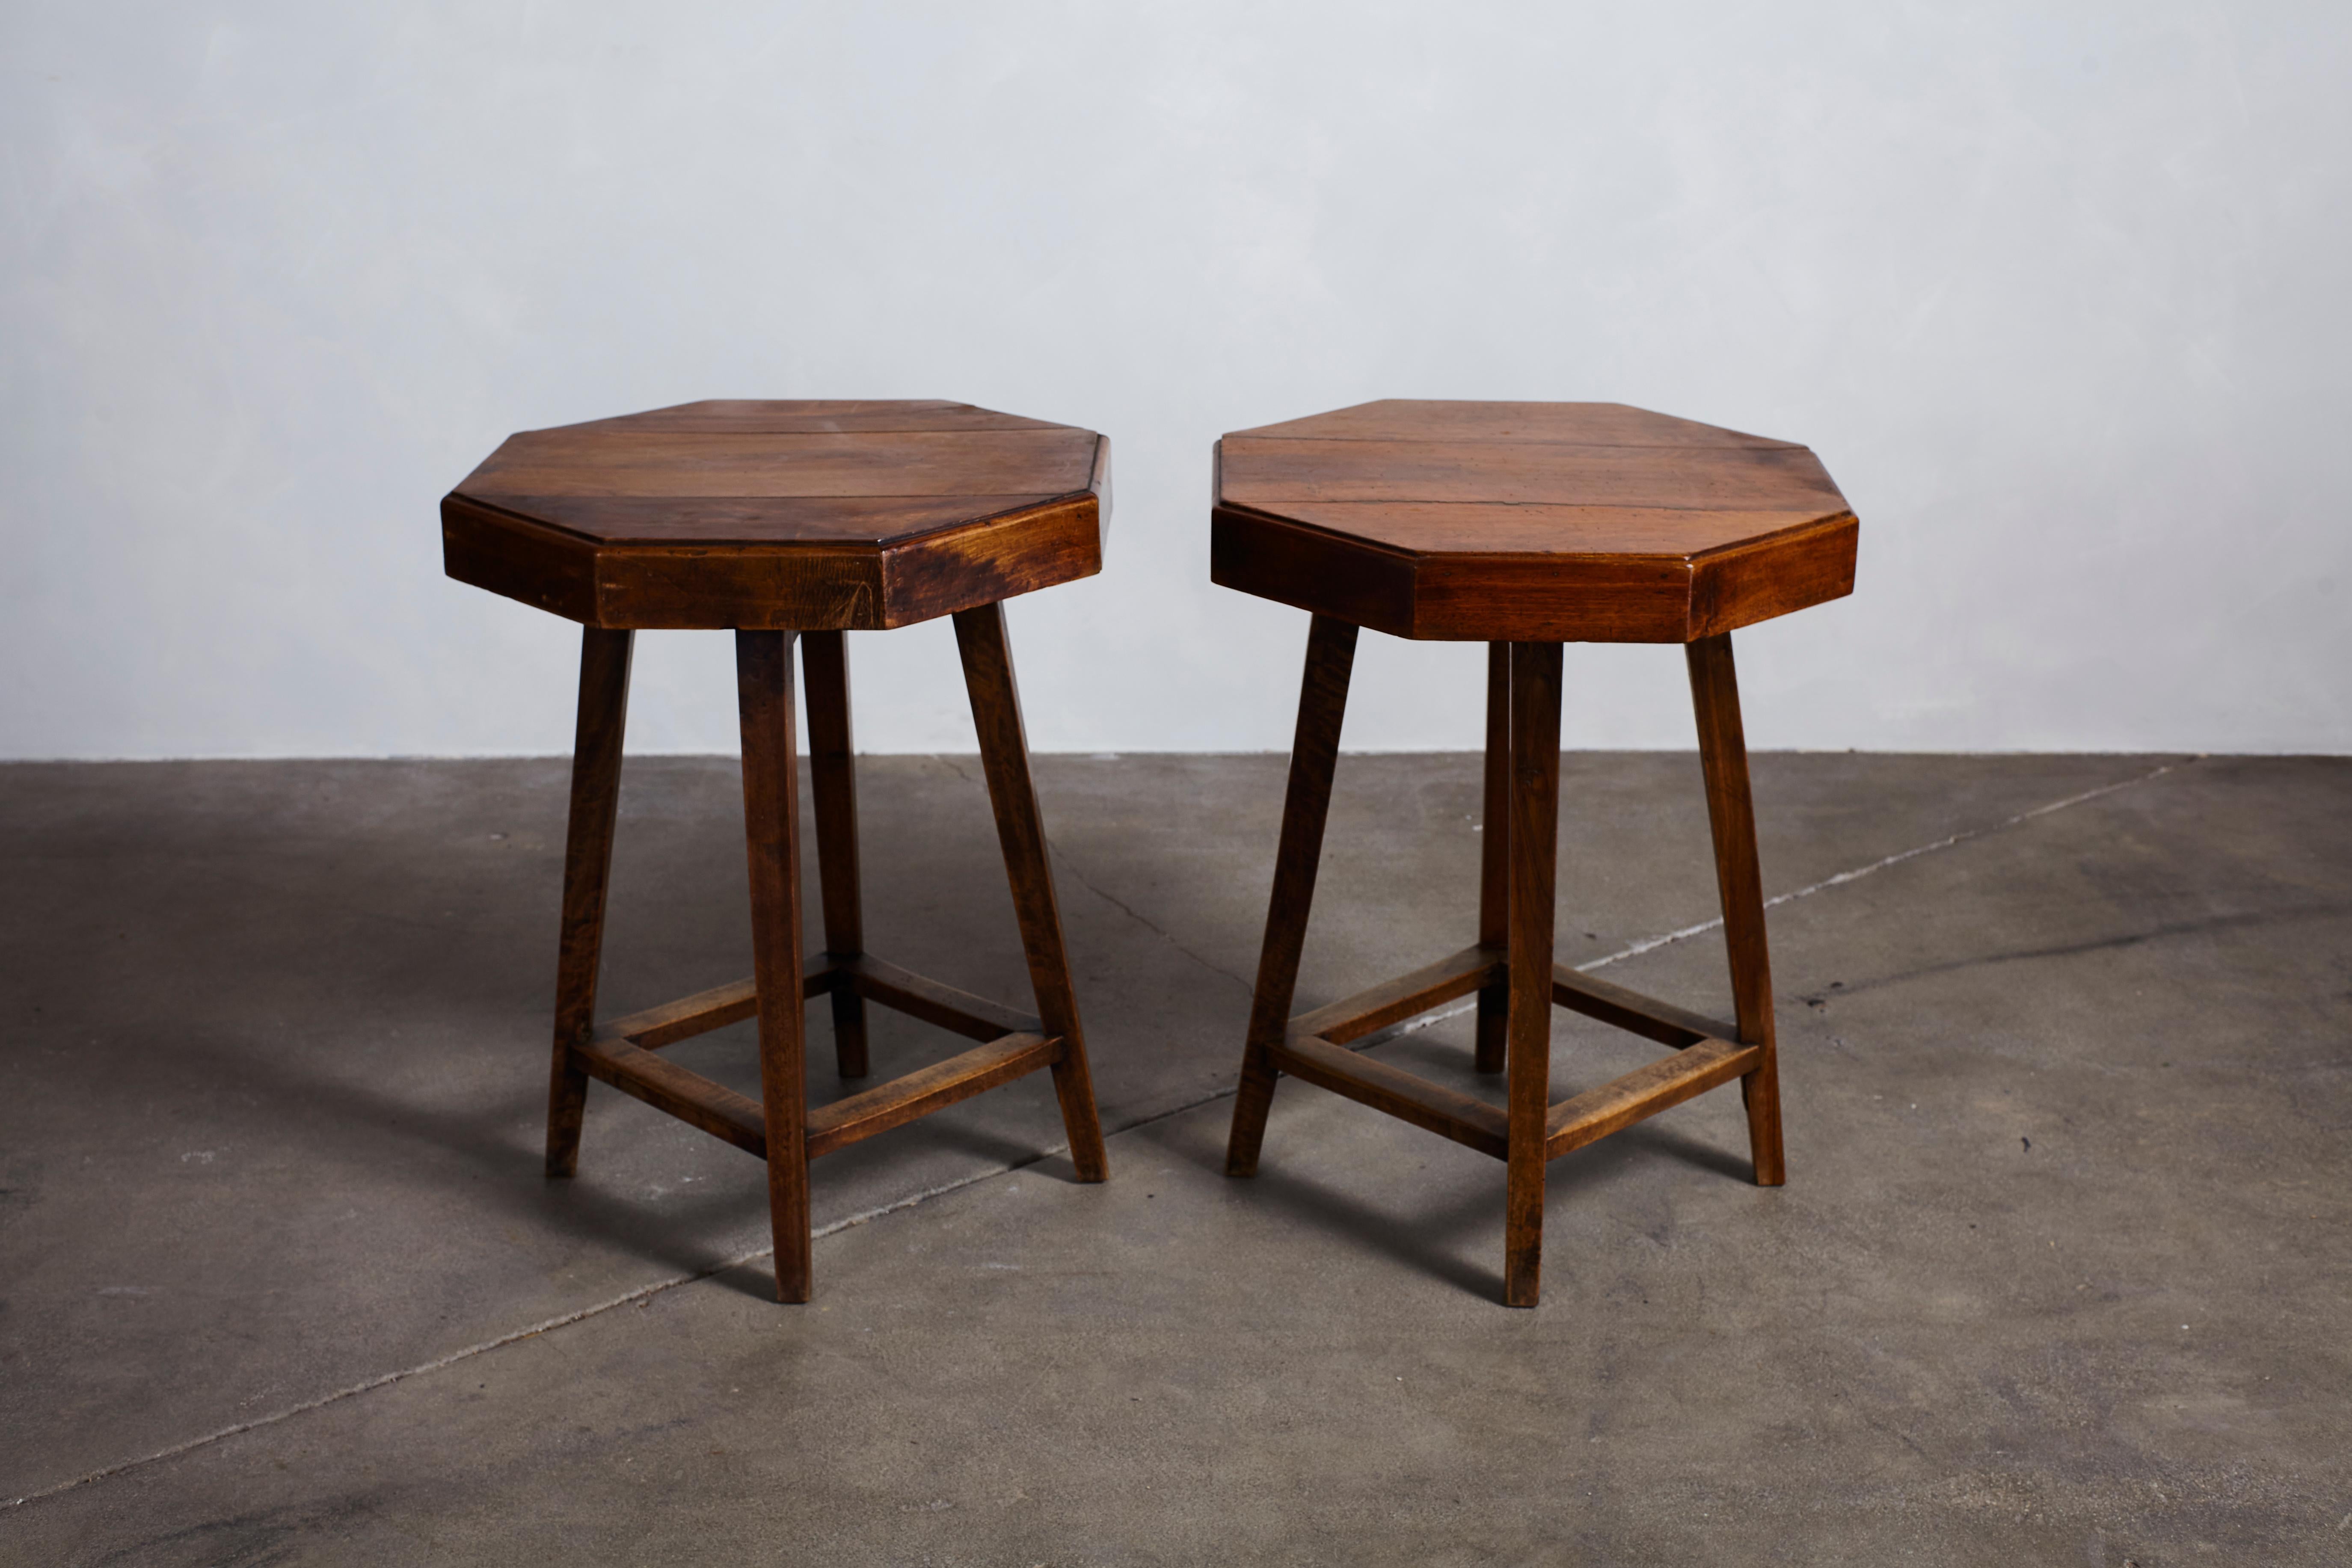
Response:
column 1722, row 753
column 1314, row 753
column 1005, row 758
column 1535, row 825
column 587, row 868
column 763, row 679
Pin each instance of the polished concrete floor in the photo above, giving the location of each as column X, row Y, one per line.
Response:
column 2061, row 1275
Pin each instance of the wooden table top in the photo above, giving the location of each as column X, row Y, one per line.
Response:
column 813, row 515
column 1524, row 521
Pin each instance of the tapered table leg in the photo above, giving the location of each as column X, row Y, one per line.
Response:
column 1005, row 758
column 1535, row 828
column 587, row 870
column 1723, row 754
column 1494, row 856
column 764, row 684
column 1314, row 753
column 833, row 781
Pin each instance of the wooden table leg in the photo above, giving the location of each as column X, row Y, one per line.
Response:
column 587, row 870
column 1494, row 856
column 1722, row 753
column 763, row 688
column 1005, row 758
column 833, row 781
column 1535, row 837
column 1314, row 753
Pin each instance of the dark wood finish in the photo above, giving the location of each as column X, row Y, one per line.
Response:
column 781, row 516
column 925, row 1089
column 1426, row 419
column 671, row 1022
column 1367, row 1080
column 1527, row 523
column 1644, row 1091
column 1494, row 861
column 689, row 1096
column 833, row 782
column 1723, row 756
column 587, row 870
column 763, row 679
column 1632, row 1012
column 1407, row 997
column 788, row 523
column 1004, row 759
column 1522, row 525
column 1314, row 753
column 1534, row 819
column 917, row 996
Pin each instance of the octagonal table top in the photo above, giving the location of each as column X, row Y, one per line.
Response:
column 1527, row 521
column 813, row 515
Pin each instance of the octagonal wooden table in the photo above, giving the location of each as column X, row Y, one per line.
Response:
column 785, row 522
column 1522, row 525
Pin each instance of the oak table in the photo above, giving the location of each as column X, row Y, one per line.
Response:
column 1522, row 525
column 794, row 522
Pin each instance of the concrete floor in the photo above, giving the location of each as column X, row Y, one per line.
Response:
column 2061, row 1274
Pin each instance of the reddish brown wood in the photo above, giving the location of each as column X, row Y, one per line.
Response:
column 1367, row 1080
column 1005, row 758
column 833, row 782
column 587, row 870
column 1407, row 997
column 1494, row 860
column 1644, row 1091
column 1527, row 523
column 1631, row 1011
column 1428, row 419
column 781, row 516
column 667, row 1087
column 785, row 521
column 763, row 678
column 1723, row 755
column 919, row 996
column 671, row 1022
column 925, row 1089
column 1535, row 818
column 1521, row 525
column 1314, row 753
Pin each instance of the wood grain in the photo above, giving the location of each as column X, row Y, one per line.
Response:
column 1527, row 523
column 763, row 678
column 833, row 783
column 1367, row 1080
column 1592, row 424
column 1534, row 819
column 1632, row 1012
column 781, row 517
column 1314, row 753
column 1644, row 1091
column 1274, row 476
column 1407, row 997
column 604, row 713
column 687, row 1095
column 671, row 464
column 919, row 1093
column 1495, row 863
column 935, row 1001
column 1021, row 832
column 1731, row 812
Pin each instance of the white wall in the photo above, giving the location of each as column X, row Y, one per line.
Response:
column 2057, row 290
